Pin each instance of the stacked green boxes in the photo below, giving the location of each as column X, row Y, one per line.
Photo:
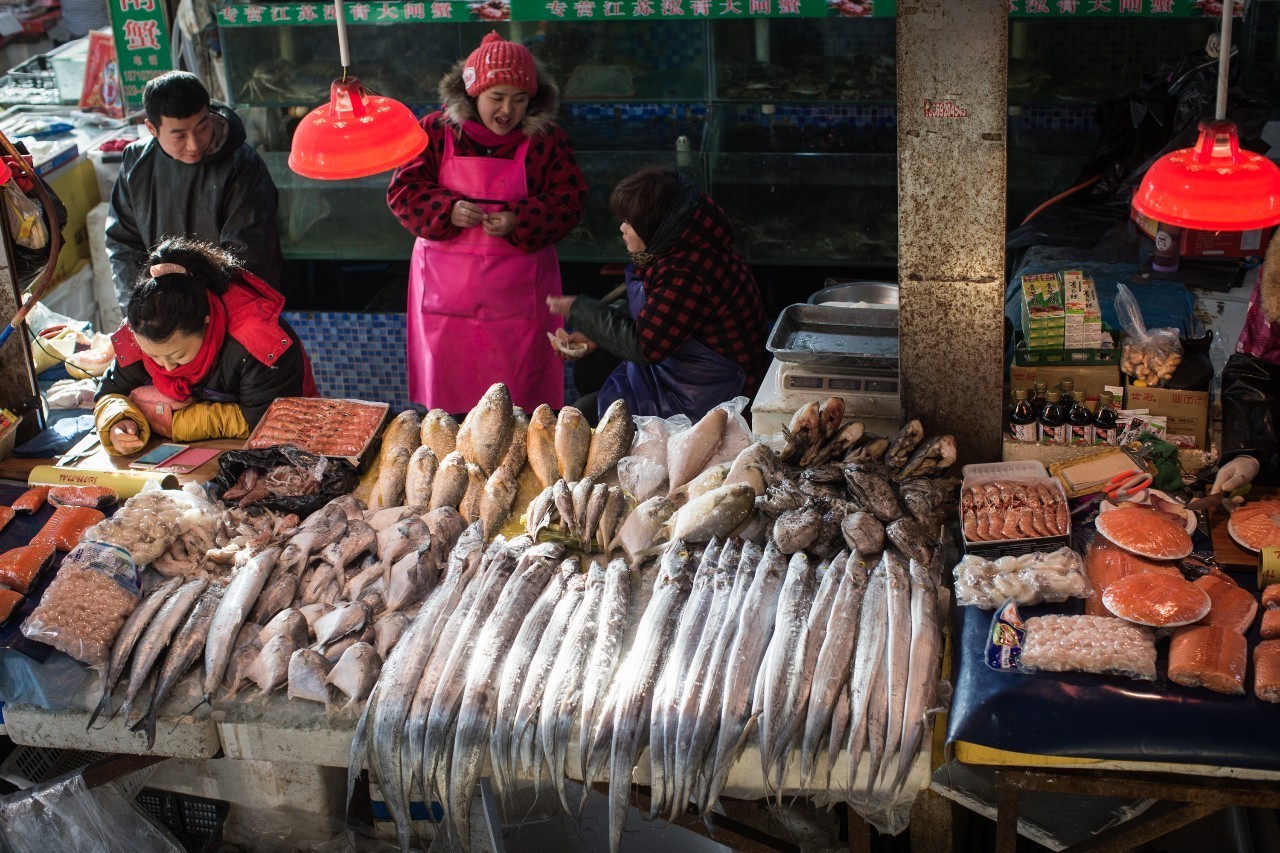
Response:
column 1043, row 312
column 1083, row 316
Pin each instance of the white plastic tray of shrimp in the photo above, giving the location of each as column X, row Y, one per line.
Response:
column 1011, row 508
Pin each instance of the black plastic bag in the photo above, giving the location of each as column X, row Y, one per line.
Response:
column 337, row 476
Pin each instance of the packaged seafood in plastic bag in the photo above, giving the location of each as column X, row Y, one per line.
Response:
column 82, row 611
column 1004, row 643
column 1026, row 579
column 283, row 478
column 149, row 522
column 1100, row 644
column 1150, row 356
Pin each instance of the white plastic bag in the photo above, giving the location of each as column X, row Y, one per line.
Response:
column 1150, row 356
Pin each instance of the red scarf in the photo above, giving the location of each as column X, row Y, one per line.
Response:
column 177, row 383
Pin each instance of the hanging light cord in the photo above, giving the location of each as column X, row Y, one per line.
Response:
column 45, row 282
column 344, row 55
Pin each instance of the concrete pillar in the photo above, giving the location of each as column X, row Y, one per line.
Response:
column 952, row 106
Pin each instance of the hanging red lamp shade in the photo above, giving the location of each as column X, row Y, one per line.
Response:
column 355, row 135
column 1215, row 186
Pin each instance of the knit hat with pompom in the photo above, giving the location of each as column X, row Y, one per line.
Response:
column 496, row 62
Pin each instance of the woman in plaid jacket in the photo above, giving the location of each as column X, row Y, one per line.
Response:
column 692, row 333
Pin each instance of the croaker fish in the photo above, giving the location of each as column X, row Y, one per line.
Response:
column 439, row 432
column 573, row 443
column 611, row 440
column 540, row 446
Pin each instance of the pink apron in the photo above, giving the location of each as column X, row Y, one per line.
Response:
column 477, row 310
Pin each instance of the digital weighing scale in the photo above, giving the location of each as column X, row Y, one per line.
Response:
column 823, row 351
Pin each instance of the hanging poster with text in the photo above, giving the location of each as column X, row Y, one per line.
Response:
column 142, row 45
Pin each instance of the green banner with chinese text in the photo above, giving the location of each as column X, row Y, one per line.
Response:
column 461, row 11
column 141, row 36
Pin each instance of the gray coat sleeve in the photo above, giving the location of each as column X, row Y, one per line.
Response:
column 249, row 229
column 124, row 242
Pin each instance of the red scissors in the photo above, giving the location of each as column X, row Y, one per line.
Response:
column 1128, row 485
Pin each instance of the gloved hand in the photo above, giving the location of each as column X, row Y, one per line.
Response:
column 157, row 408
column 122, row 428
column 1238, row 472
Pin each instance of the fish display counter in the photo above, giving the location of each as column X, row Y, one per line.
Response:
column 518, row 597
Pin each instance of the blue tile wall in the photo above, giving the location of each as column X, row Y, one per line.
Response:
column 356, row 355
column 634, row 111
column 362, row 356
column 1063, row 119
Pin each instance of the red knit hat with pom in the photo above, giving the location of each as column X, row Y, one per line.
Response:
column 497, row 62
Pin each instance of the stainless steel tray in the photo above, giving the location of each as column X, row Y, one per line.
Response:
column 836, row 337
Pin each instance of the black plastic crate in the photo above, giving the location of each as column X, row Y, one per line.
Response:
column 194, row 821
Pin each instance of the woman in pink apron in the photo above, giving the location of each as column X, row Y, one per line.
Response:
column 495, row 188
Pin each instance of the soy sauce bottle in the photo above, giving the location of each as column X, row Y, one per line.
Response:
column 1053, row 427
column 1038, row 399
column 1104, row 422
column 1022, row 420
column 1067, row 387
column 1080, row 422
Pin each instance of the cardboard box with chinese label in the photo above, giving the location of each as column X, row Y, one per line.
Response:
column 1212, row 244
column 1187, row 411
column 1092, row 379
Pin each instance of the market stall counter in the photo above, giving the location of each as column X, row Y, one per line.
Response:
column 665, row 603
column 1086, row 732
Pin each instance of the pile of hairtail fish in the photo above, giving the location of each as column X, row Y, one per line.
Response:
column 529, row 600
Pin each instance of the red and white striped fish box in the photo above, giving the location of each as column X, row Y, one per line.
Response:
column 1011, row 508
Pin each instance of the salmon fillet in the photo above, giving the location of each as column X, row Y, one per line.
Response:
column 1266, row 671
column 9, row 601
column 1144, row 531
column 6, row 516
column 1229, row 605
column 1256, row 525
column 1271, row 596
column 1210, row 657
column 95, row 497
column 20, row 567
column 1150, row 598
column 1105, row 563
column 65, row 527
column 31, row 500
column 1271, row 624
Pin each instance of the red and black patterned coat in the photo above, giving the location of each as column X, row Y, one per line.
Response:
column 557, row 188
column 701, row 289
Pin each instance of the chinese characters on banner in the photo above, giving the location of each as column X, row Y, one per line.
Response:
column 461, row 11
column 142, row 45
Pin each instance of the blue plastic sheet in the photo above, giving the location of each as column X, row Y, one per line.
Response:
column 1104, row 717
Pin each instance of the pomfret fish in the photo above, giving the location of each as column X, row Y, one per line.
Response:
column 308, row 670
column 355, row 673
column 288, row 621
column 645, row 529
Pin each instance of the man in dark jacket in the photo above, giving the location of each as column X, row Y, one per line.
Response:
column 197, row 177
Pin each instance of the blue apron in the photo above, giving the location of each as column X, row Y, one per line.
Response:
column 693, row 380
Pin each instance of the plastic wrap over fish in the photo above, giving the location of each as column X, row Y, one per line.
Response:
column 1101, row 644
column 1028, row 579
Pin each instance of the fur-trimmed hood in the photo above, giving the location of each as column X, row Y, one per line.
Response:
column 541, row 114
